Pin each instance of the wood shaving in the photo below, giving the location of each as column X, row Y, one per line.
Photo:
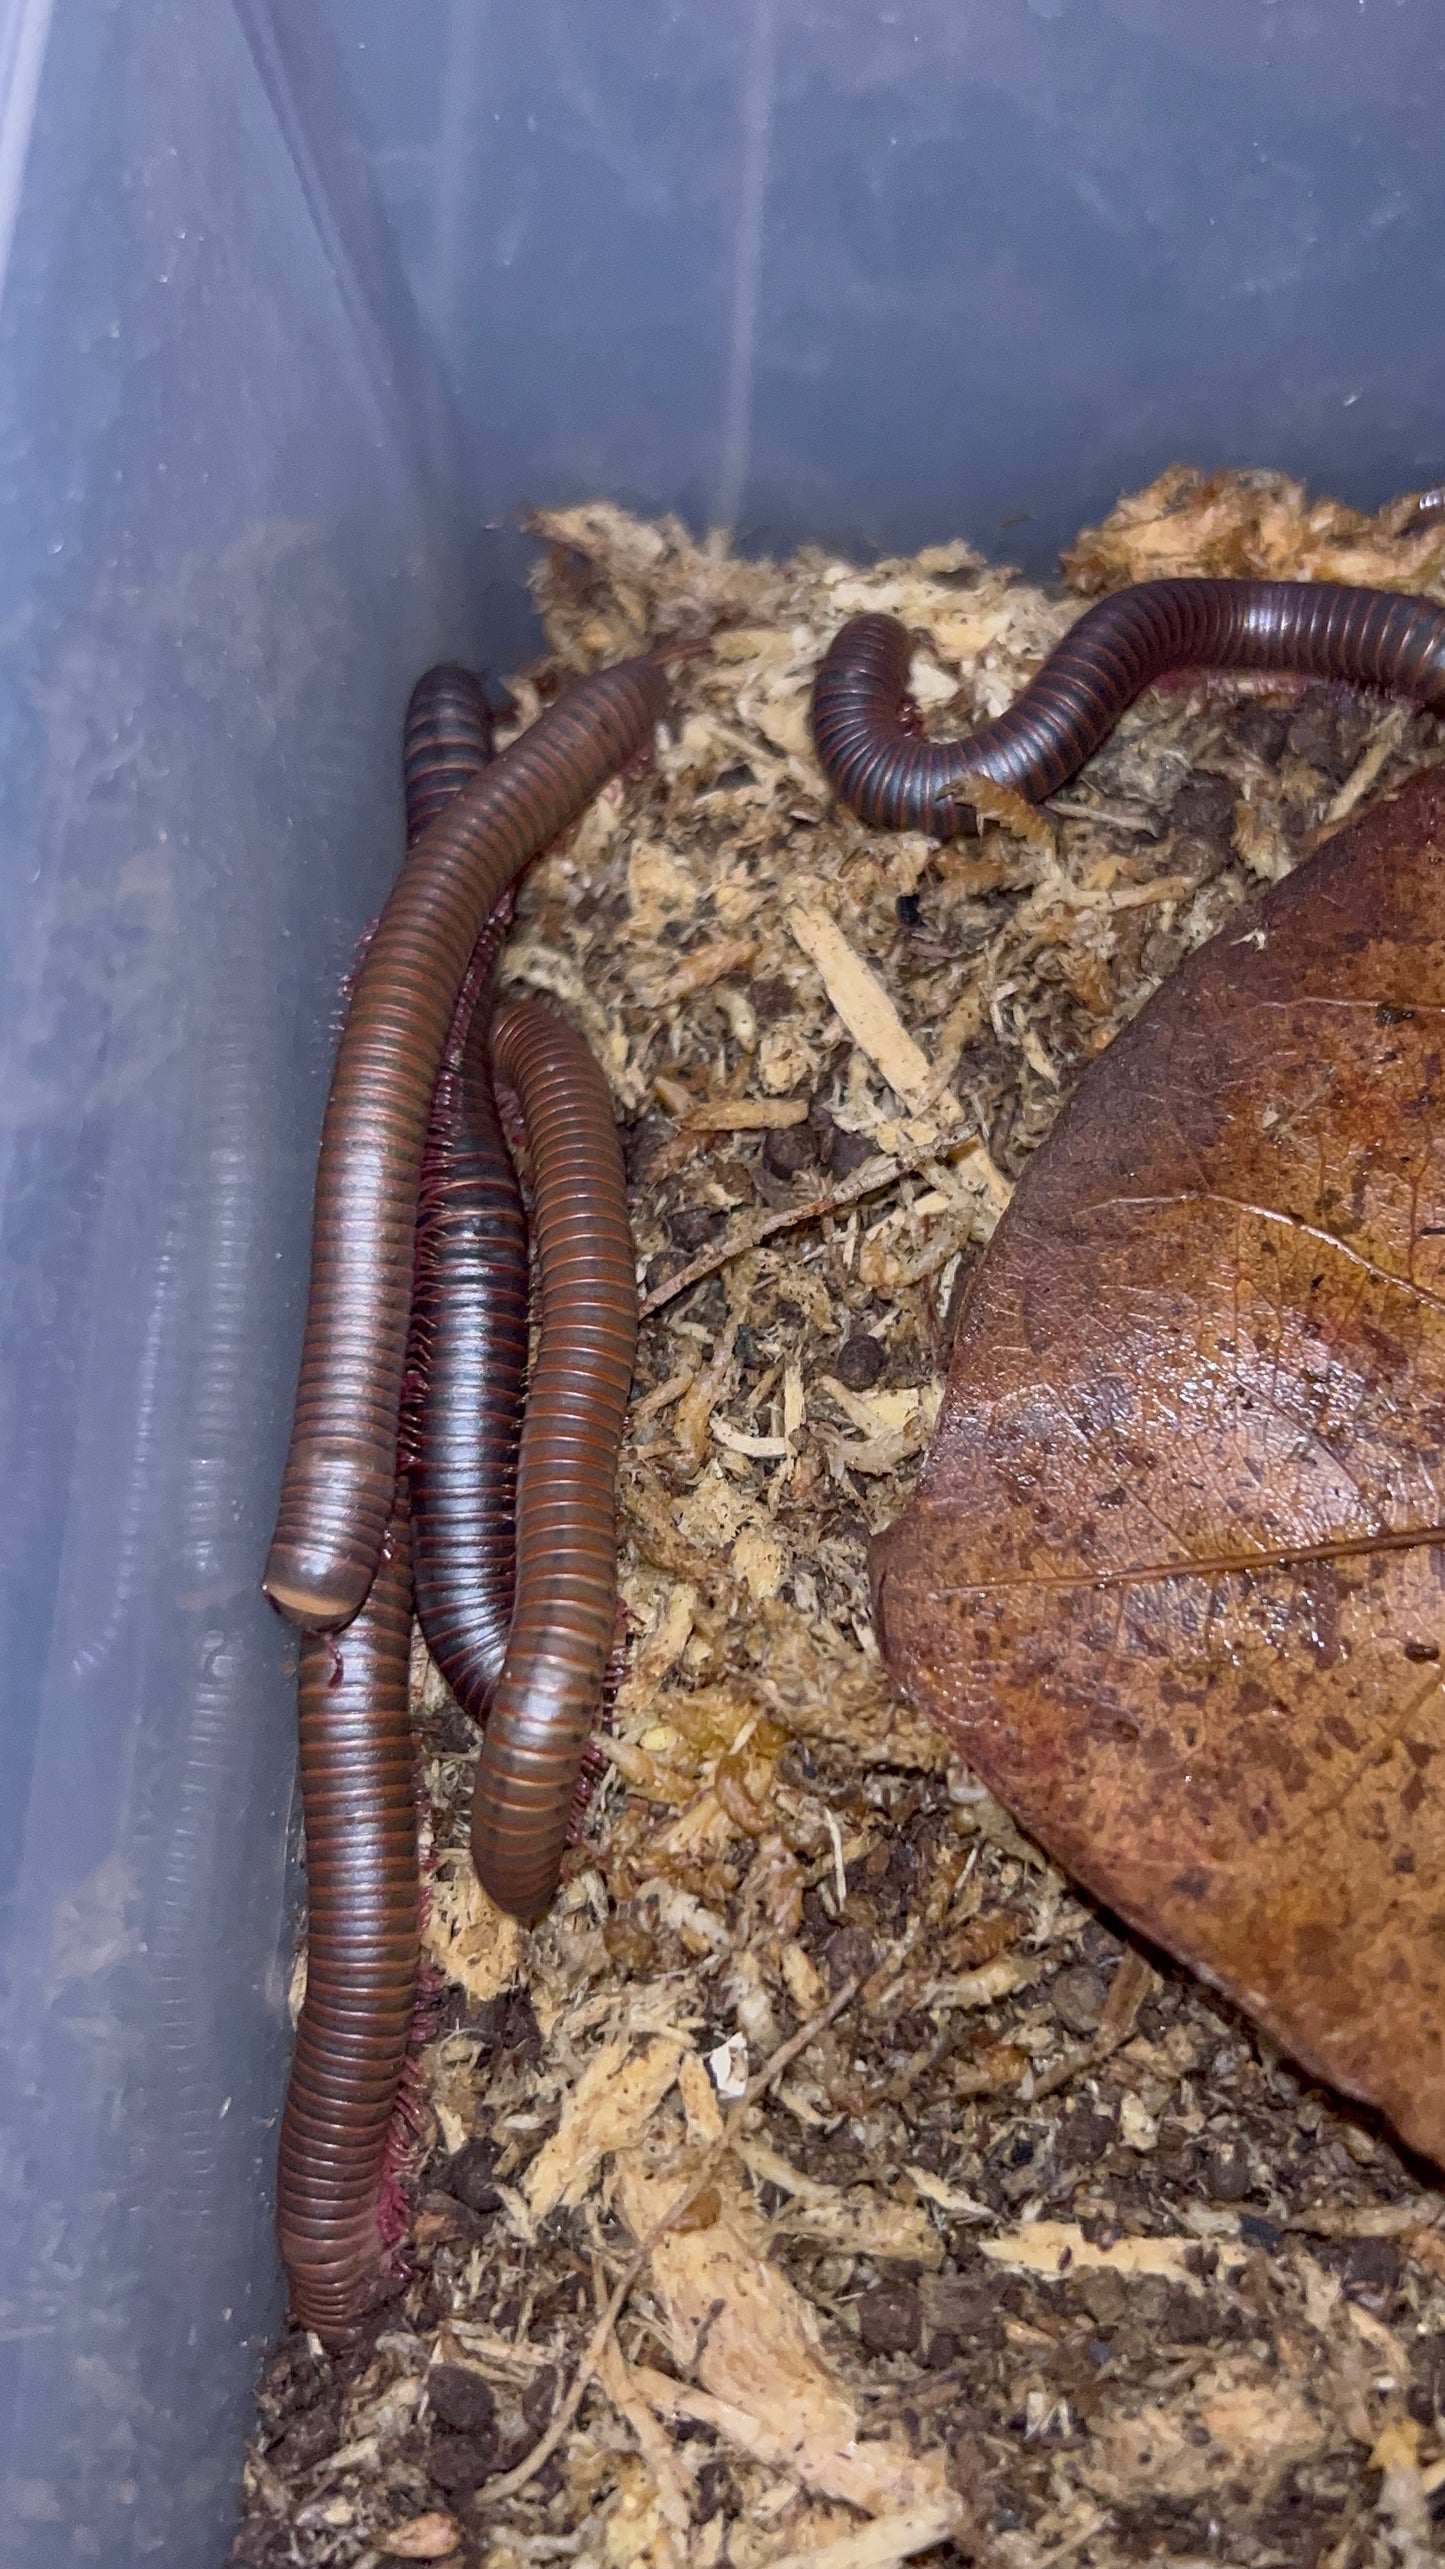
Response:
column 889, row 2538
column 1057, row 2247
column 608, row 2110
column 427, row 2537
column 862, row 1003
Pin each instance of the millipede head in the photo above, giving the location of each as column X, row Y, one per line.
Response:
column 335, row 1503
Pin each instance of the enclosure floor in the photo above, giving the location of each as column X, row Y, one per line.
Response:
column 857, row 2330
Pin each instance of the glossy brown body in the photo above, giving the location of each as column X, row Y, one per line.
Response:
column 566, row 1598
column 337, row 1486
column 447, row 739
column 469, row 1292
column 361, row 1871
column 866, row 733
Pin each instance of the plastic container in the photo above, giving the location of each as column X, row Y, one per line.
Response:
column 872, row 275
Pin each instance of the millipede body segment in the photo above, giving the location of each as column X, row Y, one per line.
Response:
column 447, row 739
column 361, row 1873
column 469, row 1291
column 566, row 1597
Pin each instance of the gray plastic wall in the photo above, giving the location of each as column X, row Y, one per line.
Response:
column 876, row 273
column 226, row 543
column 870, row 274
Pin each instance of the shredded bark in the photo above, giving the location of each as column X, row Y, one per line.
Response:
column 1034, row 2252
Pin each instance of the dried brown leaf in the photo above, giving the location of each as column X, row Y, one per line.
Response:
column 1175, row 1577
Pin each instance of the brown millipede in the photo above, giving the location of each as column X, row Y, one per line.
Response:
column 337, row 1486
column 361, row 1949
column 469, row 1291
column 870, row 750
column 356, row 1754
column 565, row 1609
column 446, row 740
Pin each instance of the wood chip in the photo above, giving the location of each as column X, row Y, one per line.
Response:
column 949, row 2198
column 426, row 2537
column 1013, row 813
column 617, row 2380
column 702, row 971
column 1234, row 2420
column 864, row 2223
column 759, row 1449
column 984, row 1987
column 470, row 1940
column 799, row 2437
column 610, row 2107
column 1060, row 2248
column 863, row 1004
column 764, row 2383
column 1366, row 2220
column 888, row 2538
column 1357, row 784
column 746, row 1115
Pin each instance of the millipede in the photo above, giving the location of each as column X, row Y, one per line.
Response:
column 866, row 733
column 469, row 1293
column 361, row 1949
column 446, row 916
column 336, row 1488
column 564, row 1614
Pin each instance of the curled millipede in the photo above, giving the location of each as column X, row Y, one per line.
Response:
column 865, row 731
column 362, row 1934
column 337, row 1486
column 564, row 1615
column 469, row 1293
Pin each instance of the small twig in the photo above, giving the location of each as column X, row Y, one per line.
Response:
column 1115, row 816
column 694, row 646
column 511, row 2481
column 786, row 2053
column 1378, row 750
column 757, row 1227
